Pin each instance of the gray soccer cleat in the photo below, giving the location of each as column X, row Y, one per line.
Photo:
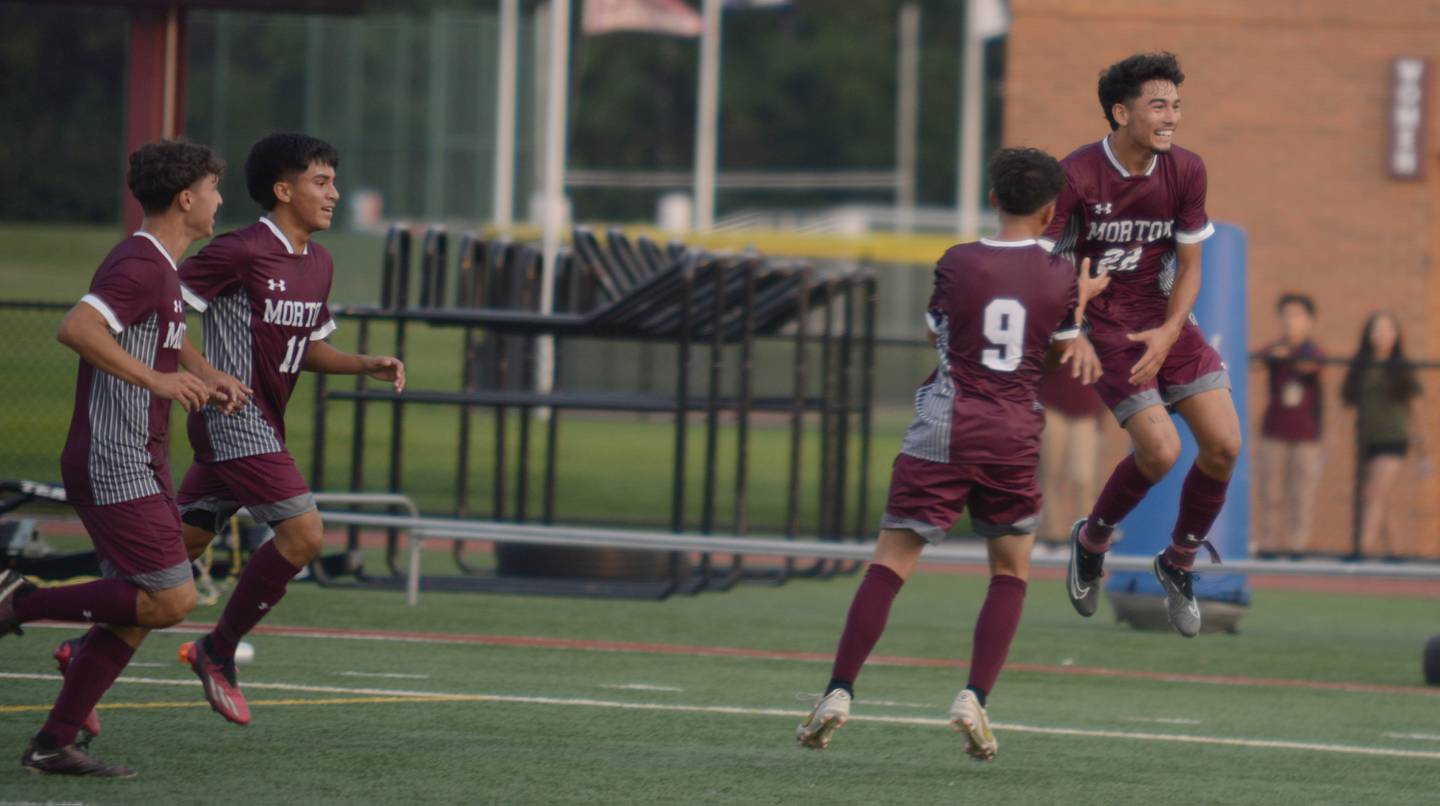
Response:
column 968, row 717
column 1180, row 604
column 830, row 713
column 71, row 759
column 1082, row 577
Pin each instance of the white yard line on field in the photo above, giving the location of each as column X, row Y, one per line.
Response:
column 735, row 710
column 641, row 687
column 391, row 675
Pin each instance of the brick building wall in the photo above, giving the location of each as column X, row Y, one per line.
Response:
column 1288, row 103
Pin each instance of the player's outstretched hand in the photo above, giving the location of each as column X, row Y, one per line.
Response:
column 227, row 392
column 1084, row 363
column 386, row 368
column 1090, row 287
column 1158, row 342
column 182, row 387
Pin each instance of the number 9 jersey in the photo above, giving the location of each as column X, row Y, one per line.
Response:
column 996, row 307
column 262, row 306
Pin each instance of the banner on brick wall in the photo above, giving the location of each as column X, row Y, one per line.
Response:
column 1409, row 94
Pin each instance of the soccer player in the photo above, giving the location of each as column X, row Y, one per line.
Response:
column 129, row 332
column 998, row 308
column 1134, row 203
column 263, row 292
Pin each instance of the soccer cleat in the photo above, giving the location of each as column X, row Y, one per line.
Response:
column 63, row 655
column 1082, row 577
column 1180, row 605
column 221, row 690
column 830, row 713
column 71, row 759
column 11, row 585
column 967, row 716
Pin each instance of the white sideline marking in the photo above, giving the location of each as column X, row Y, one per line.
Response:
column 642, row 687
column 1161, row 720
column 735, row 710
column 394, row 675
column 1424, row 737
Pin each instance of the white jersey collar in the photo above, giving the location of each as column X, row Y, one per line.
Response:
column 152, row 239
column 1009, row 244
column 275, row 228
column 1119, row 166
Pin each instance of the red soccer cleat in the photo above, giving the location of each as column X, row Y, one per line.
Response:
column 221, row 689
column 63, row 655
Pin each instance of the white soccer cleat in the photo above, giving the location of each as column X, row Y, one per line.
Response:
column 830, row 713
column 967, row 716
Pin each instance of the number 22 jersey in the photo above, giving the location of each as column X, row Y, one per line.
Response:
column 262, row 306
column 1130, row 224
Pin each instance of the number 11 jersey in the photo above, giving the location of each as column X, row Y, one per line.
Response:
column 262, row 306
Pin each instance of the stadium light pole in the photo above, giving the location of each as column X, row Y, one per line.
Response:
column 502, row 208
column 554, row 193
column 907, row 116
column 983, row 19
column 707, row 116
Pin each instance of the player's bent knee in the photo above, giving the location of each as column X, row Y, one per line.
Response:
column 169, row 607
column 300, row 538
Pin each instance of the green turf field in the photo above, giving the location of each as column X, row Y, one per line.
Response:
column 645, row 702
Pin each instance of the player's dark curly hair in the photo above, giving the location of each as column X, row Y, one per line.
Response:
column 1121, row 82
column 1401, row 383
column 1025, row 179
column 280, row 155
column 160, row 170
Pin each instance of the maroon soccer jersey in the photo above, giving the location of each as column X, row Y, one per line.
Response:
column 118, row 445
column 1293, row 411
column 996, row 307
column 263, row 304
column 1129, row 224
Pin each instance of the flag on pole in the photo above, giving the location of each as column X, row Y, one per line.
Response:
column 987, row 19
column 668, row 17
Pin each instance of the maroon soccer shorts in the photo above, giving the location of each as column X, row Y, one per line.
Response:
column 139, row 541
column 269, row 486
column 1192, row 367
column 928, row 497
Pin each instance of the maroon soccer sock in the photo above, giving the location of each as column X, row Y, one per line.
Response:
column 261, row 587
column 1201, row 499
column 994, row 630
column 869, row 611
column 1124, row 490
column 104, row 601
column 101, row 659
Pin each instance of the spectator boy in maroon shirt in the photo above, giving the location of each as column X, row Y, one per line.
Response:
column 1290, row 454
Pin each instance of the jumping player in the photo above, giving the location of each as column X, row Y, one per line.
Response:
column 999, row 306
column 1134, row 203
column 263, row 292
column 129, row 332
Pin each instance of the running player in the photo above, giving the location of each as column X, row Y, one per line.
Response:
column 263, row 292
column 129, row 332
column 1134, row 203
column 998, row 308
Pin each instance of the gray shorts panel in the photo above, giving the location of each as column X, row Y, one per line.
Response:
column 152, row 581
column 1024, row 526
column 283, row 510
column 1136, row 403
column 928, row 532
column 1220, row 379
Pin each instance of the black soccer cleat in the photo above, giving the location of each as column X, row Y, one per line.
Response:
column 11, row 585
column 70, row 760
column 1180, row 605
column 1082, row 577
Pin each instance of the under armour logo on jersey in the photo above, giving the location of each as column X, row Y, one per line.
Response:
column 274, row 284
column 87, row 615
column 179, row 306
column 1103, row 209
column 264, row 606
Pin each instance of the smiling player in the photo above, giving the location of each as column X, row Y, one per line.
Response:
column 1134, row 204
column 264, row 290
